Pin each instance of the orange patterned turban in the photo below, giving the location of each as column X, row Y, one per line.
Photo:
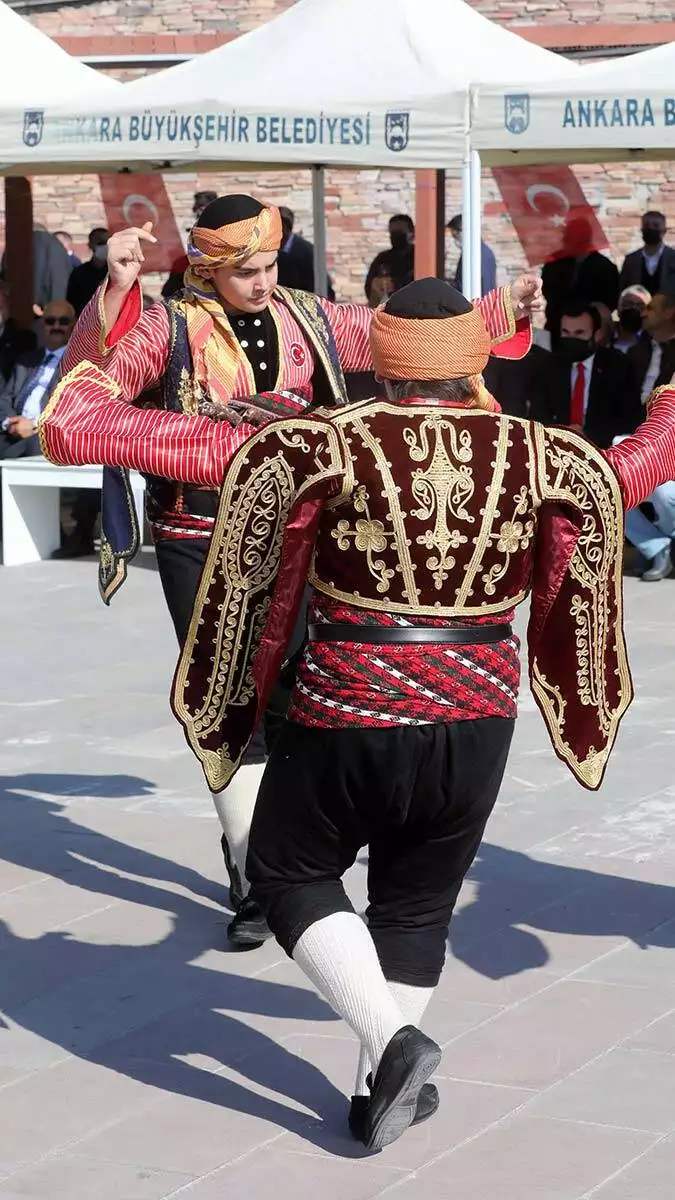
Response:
column 428, row 330
column 230, row 230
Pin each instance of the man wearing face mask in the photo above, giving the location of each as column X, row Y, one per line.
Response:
column 653, row 267
column 86, row 278
column 399, row 261
column 628, row 331
column 589, row 388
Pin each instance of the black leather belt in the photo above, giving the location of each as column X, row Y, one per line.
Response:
column 391, row 635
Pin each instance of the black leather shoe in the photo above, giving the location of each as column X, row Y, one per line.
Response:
column 408, row 1061
column 248, row 929
column 427, row 1104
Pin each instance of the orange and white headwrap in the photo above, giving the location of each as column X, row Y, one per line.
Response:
column 418, row 336
column 230, row 245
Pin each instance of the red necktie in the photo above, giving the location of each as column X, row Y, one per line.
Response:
column 578, row 397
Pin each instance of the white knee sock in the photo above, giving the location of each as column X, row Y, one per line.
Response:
column 235, row 812
column 338, row 954
column 412, row 1002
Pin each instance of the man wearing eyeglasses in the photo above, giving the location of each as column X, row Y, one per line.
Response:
column 32, row 382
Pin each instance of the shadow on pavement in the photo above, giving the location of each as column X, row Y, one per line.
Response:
column 137, row 1009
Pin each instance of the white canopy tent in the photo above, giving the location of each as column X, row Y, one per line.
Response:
column 327, row 83
column 614, row 111
column 330, row 82
column 36, row 73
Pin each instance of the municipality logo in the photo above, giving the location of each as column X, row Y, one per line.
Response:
column 517, row 113
column 397, row 130
column 33, row 125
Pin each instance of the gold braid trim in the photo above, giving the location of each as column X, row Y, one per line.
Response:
column 657, row 393
column 574, row 473
column 507, row 310
column 95, row 374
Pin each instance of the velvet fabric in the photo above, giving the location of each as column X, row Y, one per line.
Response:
column 433, row 511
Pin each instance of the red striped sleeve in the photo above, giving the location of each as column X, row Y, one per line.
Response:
column 350, row 324
column 134, row 351
column 647, row 458
column 88, row 420
column 510, row 338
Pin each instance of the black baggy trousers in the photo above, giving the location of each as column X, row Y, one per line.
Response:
column 418, row 796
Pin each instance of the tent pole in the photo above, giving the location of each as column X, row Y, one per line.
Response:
column 476, row 232
column 319, row 221
column 467, row 218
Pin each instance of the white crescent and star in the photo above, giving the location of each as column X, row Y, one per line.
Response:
column 548, row 189
column 142, row 202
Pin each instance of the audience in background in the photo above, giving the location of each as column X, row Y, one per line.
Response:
column 578, row 273
column 66, row 241
column 488, row 262
column 174, row 281
column 652, row 359
column 51, row 269
column 88, row 277
column 587, row 386
column 398, row 262
column 653, row 267
column 628, row 330
column 14, row 341
column 32, row 382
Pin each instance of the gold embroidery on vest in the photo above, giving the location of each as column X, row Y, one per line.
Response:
column 490, row 512
column 369, row 537
column 442, row 487
column 400, row 541
column 510, row 537
column 572, row 471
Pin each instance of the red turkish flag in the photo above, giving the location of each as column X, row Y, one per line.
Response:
column 136, row 199
column 550, row 213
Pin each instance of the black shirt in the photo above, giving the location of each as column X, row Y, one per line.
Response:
column 257, row 336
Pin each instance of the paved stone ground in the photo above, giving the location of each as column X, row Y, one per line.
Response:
column 139, row 1059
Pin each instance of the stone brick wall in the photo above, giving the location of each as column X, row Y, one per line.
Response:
column 359, row 203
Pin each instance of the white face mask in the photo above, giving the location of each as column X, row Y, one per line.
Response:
column 100, row 254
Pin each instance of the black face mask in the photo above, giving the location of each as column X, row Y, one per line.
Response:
column 575, row 349
column 399, row 239
column 630, row 320
column 651, row 237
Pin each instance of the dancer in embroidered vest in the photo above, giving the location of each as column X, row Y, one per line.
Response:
column 423, row 520
column 231, row 333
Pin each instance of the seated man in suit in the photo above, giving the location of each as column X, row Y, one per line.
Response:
column 32, row 382
column 652, row 359
column 653, row 265
column 588, row 387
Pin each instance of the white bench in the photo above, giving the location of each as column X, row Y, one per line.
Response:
column 31, row 505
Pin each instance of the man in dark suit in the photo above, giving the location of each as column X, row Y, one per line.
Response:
column 519, row 385
column 13, row 339
column 652, row 359
column 32, row 382
column 653, row 267
column 51, row 268
column 587, row 387
column 578, row 273
column 296, row 257
column 89, row 276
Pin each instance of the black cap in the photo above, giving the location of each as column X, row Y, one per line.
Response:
column 427, row 299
